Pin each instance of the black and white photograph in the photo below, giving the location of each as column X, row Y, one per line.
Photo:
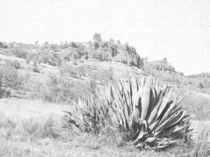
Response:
column 104, row 78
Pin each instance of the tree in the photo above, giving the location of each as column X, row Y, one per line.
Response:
column 165, row 60
column 73, row 44
column 118, row 42
column 1, row 45
column 46, row 44
column 97, row 37
column 37, row 43
column 127, row 47
column 111, row 41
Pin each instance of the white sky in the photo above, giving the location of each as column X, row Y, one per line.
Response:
column 176, row 29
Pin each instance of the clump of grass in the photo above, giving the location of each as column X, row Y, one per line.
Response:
column 35, row 129
column 201, row 144
column 30, row 129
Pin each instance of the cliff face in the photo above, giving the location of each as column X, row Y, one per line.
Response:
column 130, row 59
column 161, row 65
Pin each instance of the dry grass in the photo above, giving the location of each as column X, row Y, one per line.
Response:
column 198, row 104
column 34, row 128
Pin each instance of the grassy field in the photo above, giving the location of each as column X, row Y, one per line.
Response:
column 34, row 128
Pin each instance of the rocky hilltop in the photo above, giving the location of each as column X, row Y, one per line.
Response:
column 55, row 54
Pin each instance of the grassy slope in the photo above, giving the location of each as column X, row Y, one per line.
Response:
column 34, row 128
column 198, row 105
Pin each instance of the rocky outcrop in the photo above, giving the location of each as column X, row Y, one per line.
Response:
column 161, row 65
column 201, row 75
column 101, row 54
column 130, row 59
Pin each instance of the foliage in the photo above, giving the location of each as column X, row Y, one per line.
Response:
column 64, row 89
column 73, row 44
column 36, row 68
column 97, row 37
column 9, row 79
column 104, row 76
column 74, row 71
column 14, row 63
column 2, row 45
column 101, row 55
column 21, row 52
column 55, row 54
column 142, row 109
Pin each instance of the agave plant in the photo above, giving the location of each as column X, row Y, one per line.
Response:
column 143, row 108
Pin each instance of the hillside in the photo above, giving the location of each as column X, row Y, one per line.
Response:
column 40, row 82
column 64, row 72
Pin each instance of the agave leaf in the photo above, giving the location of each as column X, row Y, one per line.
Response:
column 166, row 99
column 139, row 137
column 163, row 143
column 154, row 112
column 152, row 102
column 172, row 131
column 167, row 108
column 154, row 124
column 168, row 111
column 145, row 101
column 113, row 117
column 137, row 107
column 171, row 121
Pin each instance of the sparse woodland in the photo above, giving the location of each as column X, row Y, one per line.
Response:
column 99, row 96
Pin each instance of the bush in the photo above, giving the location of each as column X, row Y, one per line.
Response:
column 14, row 63
column 104, row 76
column 2, row 45
column 9, row 79
column 64, row 89
column 74, row 70
column 142, row 110
column 36, row 68
column 101, row 55
column 21, row 52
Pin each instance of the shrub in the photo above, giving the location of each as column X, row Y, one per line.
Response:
column 57, row 89
column 142, row 109
column 104, row 76
column 2, row 45
column 9, row 79
column 100, row 56
column 21, row 52
column 14, row 63
column 74, row 70
column 36, row 68
column 97, row 37
column 64, row 89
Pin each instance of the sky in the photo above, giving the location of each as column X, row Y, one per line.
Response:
column 176, row 29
